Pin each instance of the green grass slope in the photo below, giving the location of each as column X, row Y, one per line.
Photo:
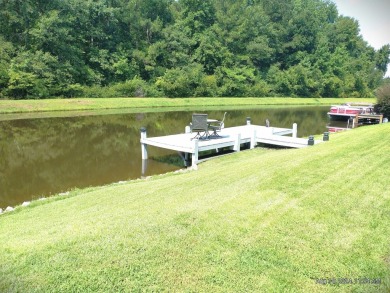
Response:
column 308, row 220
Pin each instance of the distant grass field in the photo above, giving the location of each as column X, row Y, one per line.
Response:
column 26, row 106
column 308, row 220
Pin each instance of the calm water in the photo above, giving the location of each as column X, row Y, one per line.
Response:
column 44, row 156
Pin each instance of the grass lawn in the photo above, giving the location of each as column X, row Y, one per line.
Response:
column 26, row 106
column 308, row 220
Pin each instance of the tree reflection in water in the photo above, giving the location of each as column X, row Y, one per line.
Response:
column 39, row 157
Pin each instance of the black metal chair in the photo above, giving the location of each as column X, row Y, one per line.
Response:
column 199, row 124
column 218, row 126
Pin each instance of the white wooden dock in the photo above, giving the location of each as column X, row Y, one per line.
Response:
column 231, row 137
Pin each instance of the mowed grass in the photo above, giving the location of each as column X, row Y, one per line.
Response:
column 26, row 106
column 307, row 220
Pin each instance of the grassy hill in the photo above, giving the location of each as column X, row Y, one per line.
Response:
column 308, row 220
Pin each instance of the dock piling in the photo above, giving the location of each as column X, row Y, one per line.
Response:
column 144, row 168
column 253, row 139
column 195, row 154
column 326, row 136
column 144, row 149
column 237, row 142
column 311, row 140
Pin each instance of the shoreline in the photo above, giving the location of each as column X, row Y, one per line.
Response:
column 145, row 104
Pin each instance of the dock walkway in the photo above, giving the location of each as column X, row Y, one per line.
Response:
column 231, row 137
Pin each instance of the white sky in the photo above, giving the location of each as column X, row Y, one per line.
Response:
column 373, row 17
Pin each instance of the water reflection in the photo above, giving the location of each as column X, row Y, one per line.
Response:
column 39, row 157
column 337, row 126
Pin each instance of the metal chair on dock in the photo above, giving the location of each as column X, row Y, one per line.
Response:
column 218, row 126
column 199, row 124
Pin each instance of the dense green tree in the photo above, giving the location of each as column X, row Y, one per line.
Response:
column 198, row 14
column 184, row 48
column 211, row 52
column 37, row 75
column 16, row 19
column 382, row 58
column 345, row 31
column 6, row 54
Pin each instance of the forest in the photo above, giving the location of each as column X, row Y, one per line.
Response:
column 184, row 48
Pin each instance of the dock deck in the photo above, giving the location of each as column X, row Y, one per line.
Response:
column 231, row 137
column 369, row 119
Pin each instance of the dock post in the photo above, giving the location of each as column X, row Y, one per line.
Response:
column 237, row 142
column 295, row 130
column 326, row 136
column 144, row 149
column 253, row 139
column 144, row 168
column 186, row 155
column 311, row 140
column 248, row 120
column 195, row 154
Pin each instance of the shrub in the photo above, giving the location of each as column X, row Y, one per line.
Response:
column 260, row 89
column 181, row 82
column 383, row 100
column 131, row 88
column 207, row 87
column 73, row 90
column 235, row 82
column 97, row 91
column 135, row 87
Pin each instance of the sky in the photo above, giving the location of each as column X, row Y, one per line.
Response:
column 373, row 17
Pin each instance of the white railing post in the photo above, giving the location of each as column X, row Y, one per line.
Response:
column 144, row 149
column 295, row 130
column 237, row 143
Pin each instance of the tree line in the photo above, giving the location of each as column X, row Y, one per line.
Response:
column 105, row 48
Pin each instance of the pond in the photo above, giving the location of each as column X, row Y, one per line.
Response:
column 44, row 156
